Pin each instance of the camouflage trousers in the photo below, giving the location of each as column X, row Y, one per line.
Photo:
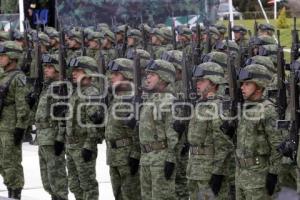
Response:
column 82, row 175
column 10, row 161
column 288, row 176
column 252, row 194
column 125, row 186
column 181, row 188
column 200, row 190
column 53, row 172
column 154, row 185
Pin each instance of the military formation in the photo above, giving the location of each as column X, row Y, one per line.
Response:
column 185, row 112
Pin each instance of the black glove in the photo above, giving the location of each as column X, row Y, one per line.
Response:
column 31, row 99
column 169, row 168
column 185, row 149
column 179, row 127
column 271, row 183
column 97, row 117
column 59, row 147
column 86, row 154
column 134, row 165
column 18, row 135
column 60, row 110
column 131, row 123
column 216, row 183
column 228, row 129
column 288, row 148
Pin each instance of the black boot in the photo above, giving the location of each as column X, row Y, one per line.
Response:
column 16, row 193
column 9, row 192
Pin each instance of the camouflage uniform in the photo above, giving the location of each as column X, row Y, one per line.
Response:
column 258, row 162
column 13, row 122
column 157, row 50
column 137, row 36
column 109, row 54
column 81, row 136
column 122, row 143
column 158, row 140
column 182, row 156
column 210, row 148
column 52, row 167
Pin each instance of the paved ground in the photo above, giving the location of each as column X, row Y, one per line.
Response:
column 33, row 189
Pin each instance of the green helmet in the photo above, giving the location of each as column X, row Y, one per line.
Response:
column 101, row 26
column 217, row 57
column 147, row 28
column 88, row 64
column 211, row 71
column 4, row 35
column 11, row 49
column 269, row 51
column 135, row 33
column 108, row 34
column 262, row 60
column 221, row 28
column 44, row 39
column 239, row 28
column 194, row 29
column 185, row 31
column 75, row 34
column 174, row 57
column 51, row 32
column 95, row 36
column 51, row 59
column 166, row 33
column 121, row 28
column 215, row 34
column 264, row 40
column 267, row 27
column 256, row 73
column 165, row 70
column 144, row 56
column 222, row 46
column 160, row 25
column 158, row 33
column 122, row 65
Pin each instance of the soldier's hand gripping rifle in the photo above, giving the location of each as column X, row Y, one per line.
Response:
column 289, row 146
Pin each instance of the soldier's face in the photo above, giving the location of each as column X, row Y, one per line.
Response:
column 93, row 44
column 116, row 78
column 78, row 75
column 203, row 86
column 237, row 35
column 130, row 41
column 50, row 72
column 71, row 43
column 152, row 81
column 119, row 37
column 249, row 89
column 4, row 60
column 154, row 39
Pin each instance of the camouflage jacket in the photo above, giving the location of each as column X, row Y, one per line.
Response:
column 109, row 54
column 15, row 110
column 257, row 139
column 159, row 50
column 47, row 129
column 156, row 126
column 117, row 130
column 80, row 131
column 205, row 134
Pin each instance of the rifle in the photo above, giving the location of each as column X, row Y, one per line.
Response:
column 174, row 42
column 281, row 93
column 83, row 49
column 199, row 48
column 144, row 35
column 25, row 66
column 289, row 146
column 229, row 30
column 11, row 32
column 229, row 127
column 295, row 42
column 255, row 27
column 124, row 47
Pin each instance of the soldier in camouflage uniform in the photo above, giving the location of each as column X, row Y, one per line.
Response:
column 222, row 30
column 184, row 36
column 14, row 120
column 79, row 133
column 158, row 140
column 107, row 47
column 73, row 43
column 54, row 39
column 94, row 40
column 120, row 37
column 134, row 40
column 52, row 167
column 210, row 148
column 257, row 160
column 240, row 33
column 175, row 57
column 214, row 34
column 159, row 42
column 123, row 153
column 266, row 30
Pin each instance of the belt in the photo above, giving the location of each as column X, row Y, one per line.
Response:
column 159, row 145
column 72, row 140
column 248, row 162
column 115, row 144
column 197, row 150
column 43, row 125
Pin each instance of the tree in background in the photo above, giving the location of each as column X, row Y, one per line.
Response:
column 282, row 20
